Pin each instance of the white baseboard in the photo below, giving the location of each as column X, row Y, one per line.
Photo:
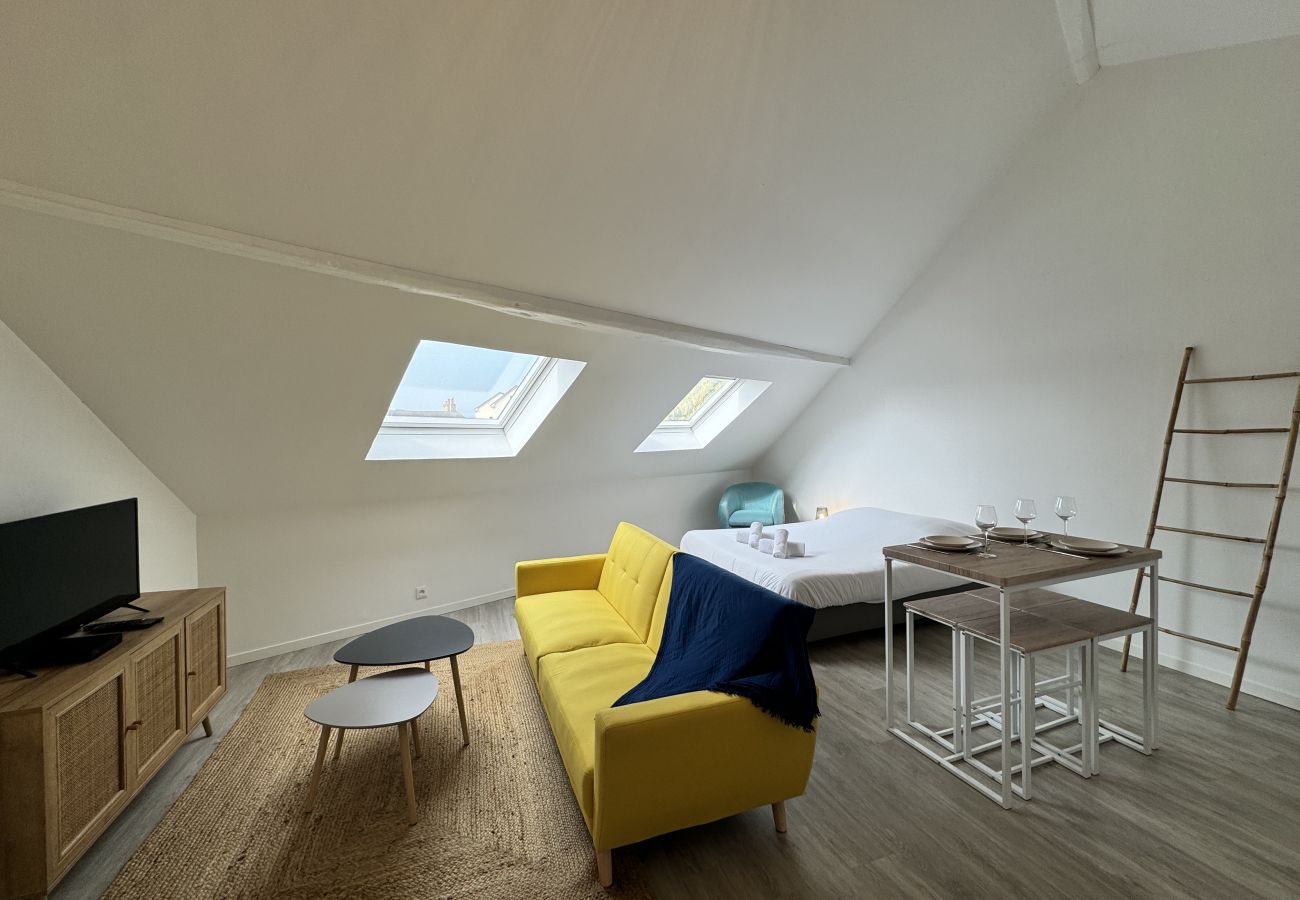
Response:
column 1248, row 686
column 324, row 637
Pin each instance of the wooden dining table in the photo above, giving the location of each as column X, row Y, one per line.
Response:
column 1016, row 567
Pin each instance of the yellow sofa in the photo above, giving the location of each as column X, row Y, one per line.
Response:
column 591, row 626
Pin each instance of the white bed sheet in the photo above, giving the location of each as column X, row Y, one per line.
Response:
column 842, row 562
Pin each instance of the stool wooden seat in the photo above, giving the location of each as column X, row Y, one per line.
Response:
column 950, row 609
column 1027, row 601
column 1101, row 621
column 1030, row 632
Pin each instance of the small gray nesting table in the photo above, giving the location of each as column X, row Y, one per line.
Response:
column 419, row 640
column 397, row 697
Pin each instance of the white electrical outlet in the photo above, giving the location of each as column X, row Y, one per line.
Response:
column 421, row 593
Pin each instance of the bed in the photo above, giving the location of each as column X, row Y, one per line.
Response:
column 842, row 574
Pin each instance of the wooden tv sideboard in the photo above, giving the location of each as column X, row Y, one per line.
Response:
column 78, row 742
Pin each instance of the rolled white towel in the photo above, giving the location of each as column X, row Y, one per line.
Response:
column 742, row 535
column 780, row 543
column 755, row 534
column 765, row 545
column 793, row 549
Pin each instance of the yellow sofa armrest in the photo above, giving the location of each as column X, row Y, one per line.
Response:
column 685, row 760
column 567, row 573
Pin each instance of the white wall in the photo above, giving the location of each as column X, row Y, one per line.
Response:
column 55, row 455
column 1037, row 354
column 304, row 577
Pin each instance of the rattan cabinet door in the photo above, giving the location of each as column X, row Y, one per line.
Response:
column 205, row 659
column 89, row 780
column 159, row 720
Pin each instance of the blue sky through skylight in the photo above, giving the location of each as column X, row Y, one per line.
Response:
column 456, row 381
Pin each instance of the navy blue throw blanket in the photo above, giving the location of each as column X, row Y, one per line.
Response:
column 729, row 635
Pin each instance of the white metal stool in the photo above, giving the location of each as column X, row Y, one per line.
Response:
column 1102, row 623
column 956, row 611
column 1032, row 635
column 949, row 610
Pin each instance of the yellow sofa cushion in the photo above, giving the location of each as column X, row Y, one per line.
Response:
column 575, row 687
column 660, row 615
column 633, row 573
column 568, row 620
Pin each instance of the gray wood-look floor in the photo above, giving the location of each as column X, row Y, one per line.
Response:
column 1215, row 813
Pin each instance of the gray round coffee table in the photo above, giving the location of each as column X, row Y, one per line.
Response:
column 380, row 701
column 419, row 640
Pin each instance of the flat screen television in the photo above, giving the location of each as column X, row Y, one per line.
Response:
column 60, row 571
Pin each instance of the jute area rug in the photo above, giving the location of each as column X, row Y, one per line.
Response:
column 497, row 818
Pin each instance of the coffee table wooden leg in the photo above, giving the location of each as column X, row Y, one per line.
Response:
column 415, row 737
column 338, row 746
column 460, row 702
column 427, row 666
column 403, row 740
column 320, row 762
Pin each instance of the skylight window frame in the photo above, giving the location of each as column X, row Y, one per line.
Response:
column 704, row 411
column 709, row 421
column 540, row 368
column 539, row 391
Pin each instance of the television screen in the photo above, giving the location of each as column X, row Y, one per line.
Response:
column 60, row 571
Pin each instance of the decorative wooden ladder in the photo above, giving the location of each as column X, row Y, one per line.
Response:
column 1242, row 649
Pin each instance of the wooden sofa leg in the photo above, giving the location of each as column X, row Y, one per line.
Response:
column 778, row 816
column 605, row 867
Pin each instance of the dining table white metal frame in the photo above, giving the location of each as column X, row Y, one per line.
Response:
column 1040, row 574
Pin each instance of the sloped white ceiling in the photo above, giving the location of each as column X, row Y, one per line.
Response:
column 774, row 170
column 1128, row 31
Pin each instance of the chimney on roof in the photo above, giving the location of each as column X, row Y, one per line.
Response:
column 449, row 406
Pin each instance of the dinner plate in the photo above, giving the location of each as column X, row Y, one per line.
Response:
column 1115, row 550
column 1087, row 545
column 1011, row 533
column 949, row 542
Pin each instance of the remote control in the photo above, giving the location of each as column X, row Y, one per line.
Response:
column 122, row 625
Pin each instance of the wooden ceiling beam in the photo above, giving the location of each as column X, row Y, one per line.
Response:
column 550, row 310
column 1080, row 40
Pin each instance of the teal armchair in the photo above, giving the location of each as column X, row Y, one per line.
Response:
column 752, row 501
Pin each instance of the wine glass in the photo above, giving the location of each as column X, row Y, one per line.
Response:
column 985, row 518
column 1026, row 512
column 1066, row 509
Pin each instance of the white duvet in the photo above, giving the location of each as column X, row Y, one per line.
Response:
column 842, row 562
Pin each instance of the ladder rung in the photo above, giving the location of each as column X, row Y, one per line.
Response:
column 1231, row 484
column 1231, row 430
column 1213, row 534
column 1203, row 587
column 1201, row 640
column 1264, row 377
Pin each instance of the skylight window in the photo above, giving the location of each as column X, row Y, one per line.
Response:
column 696, row 404
column 457, row 401
column 708, row 408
